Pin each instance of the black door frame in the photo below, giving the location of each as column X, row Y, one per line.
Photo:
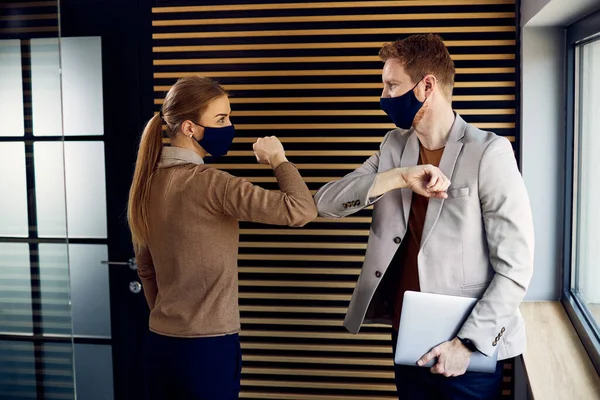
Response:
column 125, row 29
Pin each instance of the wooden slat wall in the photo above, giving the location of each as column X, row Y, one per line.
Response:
column 308, row 72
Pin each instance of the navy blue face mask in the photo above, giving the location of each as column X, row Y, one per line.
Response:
column 402, row 109
column 217, row 141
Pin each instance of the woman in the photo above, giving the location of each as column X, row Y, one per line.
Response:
column 184, row 218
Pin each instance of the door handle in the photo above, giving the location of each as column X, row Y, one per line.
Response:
column 131, row 263
column 135, row 287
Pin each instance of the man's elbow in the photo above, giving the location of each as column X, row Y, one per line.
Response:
column 528, row 276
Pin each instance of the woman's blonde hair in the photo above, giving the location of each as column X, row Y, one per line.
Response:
column 187, row 99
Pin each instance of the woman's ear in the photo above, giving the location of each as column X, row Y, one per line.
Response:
column 187, row 128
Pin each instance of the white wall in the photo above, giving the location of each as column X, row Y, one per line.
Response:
column 543, row 96
column 555, row 12
column 542, row 148
column 530, row 8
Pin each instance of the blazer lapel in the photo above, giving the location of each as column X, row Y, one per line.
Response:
column 410, row 157
column 447, row 164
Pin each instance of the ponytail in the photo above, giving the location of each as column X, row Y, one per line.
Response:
column 187, row 99
column 139, row 194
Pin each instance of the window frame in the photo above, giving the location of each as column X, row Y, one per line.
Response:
column 579, row 33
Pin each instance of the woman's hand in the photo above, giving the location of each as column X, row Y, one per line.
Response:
column 269, row 150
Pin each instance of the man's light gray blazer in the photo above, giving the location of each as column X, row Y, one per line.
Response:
column 476, row 243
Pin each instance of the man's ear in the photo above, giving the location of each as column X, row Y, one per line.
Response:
column 430, row 84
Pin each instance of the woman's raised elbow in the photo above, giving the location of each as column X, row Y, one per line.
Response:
column 304, row 216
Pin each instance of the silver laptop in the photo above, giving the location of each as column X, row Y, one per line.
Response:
column 430, row 319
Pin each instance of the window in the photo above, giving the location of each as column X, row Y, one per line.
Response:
column 586, row 274
column 582, row 233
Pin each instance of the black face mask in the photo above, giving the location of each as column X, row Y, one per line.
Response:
column 217, row 141
column 402, row 109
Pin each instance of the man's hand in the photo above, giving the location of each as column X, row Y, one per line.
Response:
column 452, row 358
column 269, row 150
column 426, row 180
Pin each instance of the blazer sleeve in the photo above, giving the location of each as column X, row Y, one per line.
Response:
column 509, row 232
column 350, row 194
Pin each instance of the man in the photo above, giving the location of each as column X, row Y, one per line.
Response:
column 472, row 237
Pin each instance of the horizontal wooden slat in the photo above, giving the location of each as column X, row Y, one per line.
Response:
column 353, row 139
column 331, row 18
column 348, row 99
column 321, row 139
column 330, row 113
column 318, row 347
column 309, row 179
column 322, row 360
column 331, row 32
column 304, row 153
column 293, row 270
column 285, row 309
column 329, row 139
column 295, row 296
column 299, row 46
column 304, row 245
column 350, row 219
column 322, row 153
column 278, row 127
column 299, row 166
column 354, row 99
column 271, row 322
column 306, row 284
column 315, row 72
column 322, row 5
column 317, row 372
column 320, row 385
column 312, row 86
column 293, row 396
column 307, row 232
column 315, row 335
column 314, row 59
column 299, row 257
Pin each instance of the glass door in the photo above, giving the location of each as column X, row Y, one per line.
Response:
column 36, row 319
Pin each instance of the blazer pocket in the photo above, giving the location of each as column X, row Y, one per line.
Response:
column 475, row 286
column 459, row 192
column 475, row 290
